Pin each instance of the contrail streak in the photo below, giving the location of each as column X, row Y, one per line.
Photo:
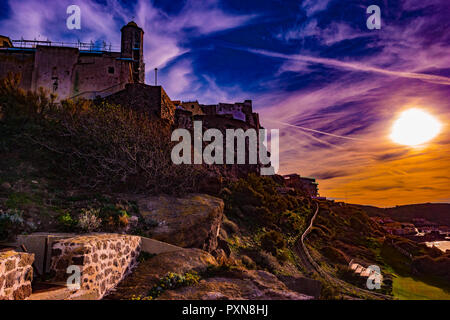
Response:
column 351, row 65
column 315, row 131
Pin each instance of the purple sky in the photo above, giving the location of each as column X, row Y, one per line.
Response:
column 309, row 64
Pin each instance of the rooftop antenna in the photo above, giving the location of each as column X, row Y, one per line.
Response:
column 156, row 76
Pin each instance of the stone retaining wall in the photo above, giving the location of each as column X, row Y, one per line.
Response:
column 104, row 260
column 16, row 274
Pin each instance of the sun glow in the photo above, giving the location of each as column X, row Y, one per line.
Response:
column 414, row 127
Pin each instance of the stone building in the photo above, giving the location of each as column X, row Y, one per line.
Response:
column 304, row 184
column 226, row 115
column 193, row 107
column 75, row 70
column 141, row 97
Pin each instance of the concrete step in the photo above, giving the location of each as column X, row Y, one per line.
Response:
column 58, row 291
column 49, row 291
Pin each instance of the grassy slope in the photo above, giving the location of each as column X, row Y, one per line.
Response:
column 407, row 288
column 343, row 232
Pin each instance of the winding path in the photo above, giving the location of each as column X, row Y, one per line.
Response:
column 312, row 266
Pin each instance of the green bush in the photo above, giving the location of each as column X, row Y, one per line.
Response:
column 169, row 282
column 258, row 200
column 114, row 217
column 67, row 222
column 273, row 241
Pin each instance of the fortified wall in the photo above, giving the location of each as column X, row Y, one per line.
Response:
column 140, row 97
column 16, row 274
column 229, row 115
column 104, row 260
column 75, row 69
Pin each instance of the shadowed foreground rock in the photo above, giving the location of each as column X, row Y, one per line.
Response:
column 147, row 273
column 235, row 284
column 192, row 221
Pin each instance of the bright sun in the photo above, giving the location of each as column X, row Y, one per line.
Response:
column 415, row 127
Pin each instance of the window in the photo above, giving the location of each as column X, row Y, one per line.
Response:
column 111, row 70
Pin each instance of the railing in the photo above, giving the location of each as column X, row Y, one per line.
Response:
column 82, row 46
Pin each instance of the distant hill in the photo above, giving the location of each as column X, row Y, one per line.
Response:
column 434, row 212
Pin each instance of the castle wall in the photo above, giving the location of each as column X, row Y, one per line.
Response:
column 236, row 110
column 152, row 100
column 67, row 70
column 18, row 62
column 104, row 260
column 240, row 111
column 167, row 107
column 100, row 74
column 16, row 274
column 307, row 185
column 193, row 107
column 54, row 65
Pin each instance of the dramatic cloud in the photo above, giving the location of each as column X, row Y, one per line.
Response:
column 312, row 69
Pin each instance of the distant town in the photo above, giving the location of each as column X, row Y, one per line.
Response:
column 419, row 229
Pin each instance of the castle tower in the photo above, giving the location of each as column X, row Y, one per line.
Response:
column 133, row 47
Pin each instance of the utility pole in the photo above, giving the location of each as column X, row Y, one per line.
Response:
column 156, row 76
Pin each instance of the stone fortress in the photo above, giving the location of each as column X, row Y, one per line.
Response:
column 85, row 71
column 72, row 70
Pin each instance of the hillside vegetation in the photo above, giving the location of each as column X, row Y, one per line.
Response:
column 61, row 164
column 434, row 212
column 344, row 232
column 73, row 166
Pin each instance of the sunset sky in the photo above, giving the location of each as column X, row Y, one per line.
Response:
column 311, row 64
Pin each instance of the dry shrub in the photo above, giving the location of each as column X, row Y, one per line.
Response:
column 89, row 220
column 21, row 106
column 107, row 145
column 100, row 146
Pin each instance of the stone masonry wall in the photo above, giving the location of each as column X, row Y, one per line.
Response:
column 104, row 260
column 16, row 273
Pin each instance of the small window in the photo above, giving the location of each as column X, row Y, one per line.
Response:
column 111, row 70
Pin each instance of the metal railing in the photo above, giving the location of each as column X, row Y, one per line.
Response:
column 82, row 46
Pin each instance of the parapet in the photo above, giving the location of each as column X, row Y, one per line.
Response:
column 103, row 259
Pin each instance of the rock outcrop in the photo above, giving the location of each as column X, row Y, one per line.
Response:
column 192, row 221
column 237, row 285
column 147, row 273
